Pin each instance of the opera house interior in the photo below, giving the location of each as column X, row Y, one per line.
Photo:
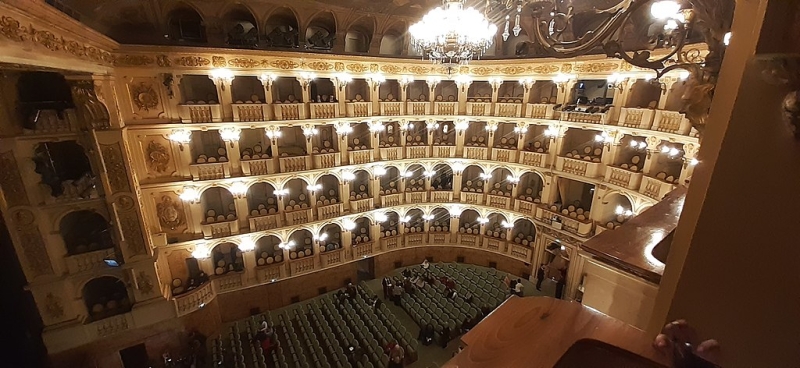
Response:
column 400, row 183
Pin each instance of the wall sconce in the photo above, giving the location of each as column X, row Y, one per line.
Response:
column 348, row 225
column 527, row 82
column 463, row 81
column 638, row 145
column 491, row 127
column 432, row 125
column 455, row 210
column 239, row 189
column 551, row 132
column 521, row 129
column 344, row 129
column 190, row 194
column 461, row 126
column 483, row 220
column 603, row 138
column 348, row 176
column 406, row 174
column 429, row 173
column 314, row 188
column 376, row 79
column 684, row 75
column 622, row 211
column 405, row 80
column 495, row 82
column 381, row 217
column 310, row 131
column 672, row 152
column 230, row 134
column 486, row 176
column 512, row 179
column 507, row 224
column 693, row 162
column 321, row 237
column 379, row 171
column 273, row 132
column 287, row 245
column 561, row 80
column 617, row 81
column 201, row 252
column 247, row 245
column 376, row 127
column 181, row 137
column 405, row 219
column 433, row 81
column 305, row 79
column 458, row 167
column 341, row 80
column 281, row 192
column 267, row 79
column 222, row 76
column 427, row 217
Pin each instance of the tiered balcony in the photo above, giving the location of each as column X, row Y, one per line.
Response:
column 391, row 153
column 540, row 111
column 389, row 200
column 583, row 117
column 330, row 211
column 469, row 240
column 622, row 177
column 494, row 244
column 416, row 197
column 361, row 205
column 301, row 265
column 504, row 155
column 265, row 222
column 565, row 222
column 325, row 110
column 229, row 281
column 299, row 217
column 508, row 109
column 415, row 152
column 327, row 160
column 479, row 108
column 471, row 198
column 220, row 229
column 290, row 111
column 445, row 108
column 671, row 122
column 210, row 170
column 364, row 250
column 332, row 257
column 476, row 153
column 439, row 237
column 200, row 113
column 526, row 207
column 270, row 272
column 88, row 261
column 109, row 326
column 444, row 151
column 636, row 118
column 360, row 157
column 578, row 167
column 655, row 188
column 418, row 108
column 391, row 108
column 441, row 196
column 258, row 166
column 248, row 112
column 295, row 163
column 193, row 300
column 520, row 252
column 534, row 159
column 498, row 201
column 359, row 109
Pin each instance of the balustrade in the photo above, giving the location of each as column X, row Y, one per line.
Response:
column 109, row 326
column 416, row 197
column 476, row 153
column 671, row 122
column 332, row 257
column 622, row 177
column 469, row 240
column 508, row 109
column 294, row 163
column 578, row 167
column 264, row 222
column 201, row 113
column 327, row 160
column 419, row 107
column 636, row 118
column 363, row 250
column 301, row 265
column 193, row 300
column 414, row 152
column 361, row 205
column 498, row 201
column 210, row 171
column 655, row 188
column 258, row 167
column 439, row 237
column 520, row 252
column 390, row 200
column 441, row 196
column 87, row 261
column 504, row 155
column 479, row 108
column 444, row 151
column 603, row 118
column 359, row 109
column 361, row 156
column 392, row 108
column 229, row 281
column 471, row 198
column 445, row 108
column 534, row 159
column 299, row 217
column 325, row 110
column 392, row 242
column 290, row 111
column 269, row 273
column 540, row 111
column 220, row 229
column 330, row 211
column 247, row 112
column 569, row 224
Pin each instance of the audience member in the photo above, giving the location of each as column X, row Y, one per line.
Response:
column 512, row 287
column 445, row 338
column 387, row 287
column 397, row 294
column 426, row 334
column 425, row 265
column 518, row 288
column 376, row 303
column 406, row 273
column 540, row 276
column 468, row 297
column 396, row 355
column 466, row 325
column 351, row 291
column 450, row 293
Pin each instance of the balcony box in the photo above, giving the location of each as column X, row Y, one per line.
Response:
column 332, row 257
column 504, row 155
column 391, row 242
column 262, row 166
column 494, row 244
column 194, row 300
column 249, row 112
column 469, row 240
column 54, row 122
column 479, row 108
column 508, row 109
column 363, row 250
column 415, row 152
column 301, row 265
column 330, row 211
column 526, row 207
column 439, row 237
column 200, row 113
column 294, row 163
column 88, row 261
column 583, row 117
column 327, row 160
column 578, row 167
column 444, row 151
column 624, row 178
column 520, row 252
column 391, row 108
column 636, row 118
column 655, row 188
column 361, row 205
column 391, row 200
column 298, row 217
column 418, row 108
column 391, row 153
column 567, row 223
column 414, row 239
column 445, row 108
column 230, row 281
column 210, row 171
column 441, row 196
column 540, row 111
column 498, row 201
column 359, row 109
column 270, row 273
column 264, row 222
column 476, row 153
column 416, row 197
column 324, row 110
column 220, row 229
column 361, row 157
column 471, row 197
column 289, row 111
column 534, row 159
column 671, row 122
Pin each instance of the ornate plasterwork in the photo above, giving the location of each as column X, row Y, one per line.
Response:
column 10, row 181
column 157, row 157
column 144, row 282
column 130, row 226
column 192, row 61
column 115, row 168
column 170, row 213
column 37, row 260
column 53, row 306
column 602, row 67
column 144, row 96
column 14, row 30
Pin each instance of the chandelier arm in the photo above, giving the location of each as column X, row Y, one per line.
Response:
column 642, row 59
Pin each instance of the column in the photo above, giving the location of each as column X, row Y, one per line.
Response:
column 242, row 211
column 457, row 185
column 564, row 90
column 341, row 95
column 495, row 83
column 266, row 82
column 491, row 127
column 527, row 85
column 234, row 157
column 225, row 97
column 403, row 82
column 250, row 266
column 341, row 136
column 344, row 193
column 432, row 83
column 176, row 100
column 305, row 85
column 622, row 91
column 666, row 89
column 463, row 88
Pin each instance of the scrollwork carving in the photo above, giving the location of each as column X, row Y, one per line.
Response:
column 11, row 182
column 218, row 62
column 13, row 30
column 31, row 243
column 130, row 226
column 245, row 63
column 170, row 213
column 93, row 112
column 192, row 61
column 133, row 60
column 144, row 282
column 115, row 168
column 53, row 306
column 144, row 96
column 157, row 157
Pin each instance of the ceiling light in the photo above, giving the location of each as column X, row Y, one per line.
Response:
column 452, row 34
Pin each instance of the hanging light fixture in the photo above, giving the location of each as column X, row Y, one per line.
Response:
column 452, row 34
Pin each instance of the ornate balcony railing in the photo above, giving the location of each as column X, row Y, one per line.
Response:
column 622, row 177
column 250, row 112
column 193, row 300
column 290, row 111
column 201, row 113
column 325, row 110
column 636, row 118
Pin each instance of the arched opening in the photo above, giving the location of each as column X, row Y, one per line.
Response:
column 591, row 92
column 321, row 32
column 85, row 231
column 631, row 153
column 328, row 192
column 583, row 145
column 292, row 142
column 574, row 198
column 415, row 178
column 297, row 199
column 198, row 89
column 330, row 238
column 530, row 187
column 282, row 29
column 43, row 109
column 479, row 91
column 390, row 182
column 227, row 257
column 325, row 140
column 505, row 137
column 300, row 244
column 414, row 221
column 392, row 44
column 268, row 250
column 359, row 36
column 439, row 220
column 255, row 145
column 261, row 200
column 390, row 136
column 447, row 90
column 667, row 162
column 218, row 205
column 496, row 226
column 472, row 179
column 65, row 169
column 389, row 91
column 615, row 211
column 105, row 297
column 524, row 233
column 444, row 134
column 476, row 134
column 510, row 92
column 390, row 227
column 544, row 92
column 360, row 186
column 417, row 133
column 240, row 28
column 536, row 140
column 499, row 183
column 644, row 94
column 361, row 233
column 417, row 91
column 359, row 138
column 207, row 147
column 186, row 26
column 468, row 222
column 442, row 178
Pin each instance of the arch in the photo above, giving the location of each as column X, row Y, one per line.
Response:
column 644, row 94
column 104, row 297
column 64, row 166
column 298, row 197
column 499, row 183
column 471, row 180
column 442, row 178
column 468, row 222
column 240, row 26
column 328, row 192
column 439, row 220
column 85, row 231
column 227, row 257
column 330, row 237
column 531, row 186
column 218, row 205
column 391, row 44
column 359, row 35
column 524, row 232
column 360, row 186
column 261, row 199
column 300, row 244
column 496, row 225
column 268, row 250
column 390, row 182
column 617, row 208
column 416, row 222
column 282, row 28
column 362, row 233
column 390, row 226
column 320, row 31
column 185, row 24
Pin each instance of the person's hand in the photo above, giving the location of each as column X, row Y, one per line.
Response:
column 679, row 335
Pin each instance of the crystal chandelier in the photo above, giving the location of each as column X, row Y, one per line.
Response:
column 507, row 5
column 452, row 34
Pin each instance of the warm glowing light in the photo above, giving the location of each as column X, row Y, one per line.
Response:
column 306, row 76
column 321, row 237
column 247, row 245
column 665, row 9
column 267, row 77
column 406, row 79
column 272, row 133
column 314, row 188
column 452, row 34
column 376, row 78
column 381, row 217
column 459, row 166
column 507, row 224
column 343, row 78
column 427, row 217
column 376, row 127
column 201, row 252
column 309, row 131
column 344, row 129
column 727, row 39
column 433, row 79
column 222, row 74
column 180, row 136
column 463, row 80
column 287, row 245
column 379, row 171
column 563, row 78
column 694, row 162
column 281, row 192
column 462, row 125
column 239, row 188
column 551, row 132
column 405, row 219
column 486, row 176
column 429, row 173
column 684, row 75
column 190, row 194
column 348, row 176
column 348, row 225
column 230, row 133
column 483, row 220
column 512, row 179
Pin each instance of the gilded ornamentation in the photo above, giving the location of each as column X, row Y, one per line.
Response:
column 144, row 96
column 244, row 63
column 338, row 66
column 513, row 70
column 163, row 61
column 357, row 68
column 566, row 68
column 10, row 181
column 596, row 67
column 130, row 226
column 170, row 213
column 144, row 282
column 319, row 65
column 218, row 62
column 373, row 68
column 416, row 69
column 192, row 61
column 15, row 31
column 31, row 243
column 284, row 64
column 94, row 113
column 157, row 157
column 391, row 69
column 53, row 307
column 546, row 69
column 482, row 70
column 133, row 60
column 115, row 168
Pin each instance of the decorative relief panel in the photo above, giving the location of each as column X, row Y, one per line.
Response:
column 244, row 63
column 158, row 157
column 192, row 61
column 144, row 97
column 134, row 60
column 33, row 248
column 596, row 67
column 144, row 282
column 115, row 168
column 171, row 213
column 130, row 226
column 10, row 181
column 14, row 30
column 218, row 62
column 53, row 306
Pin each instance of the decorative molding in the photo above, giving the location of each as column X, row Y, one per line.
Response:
column 13, row 30
column 144, row 283
column 170, row 213
column 11, row 182
column 192, row 61
column 114, row 163
column 157, row 157
column 144, row 96
column 129, row 224
column 31, row 242
column 53, row 306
